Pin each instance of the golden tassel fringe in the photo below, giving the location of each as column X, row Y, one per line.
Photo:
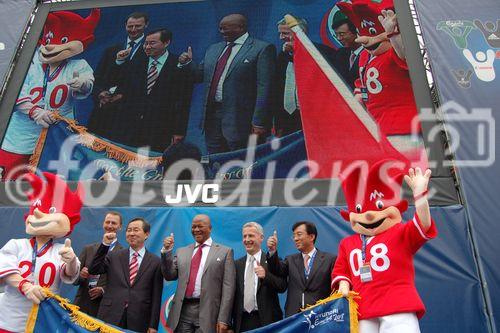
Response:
column 112, row 151
column 79, row 318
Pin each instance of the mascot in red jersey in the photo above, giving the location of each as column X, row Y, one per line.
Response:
column 377, row 261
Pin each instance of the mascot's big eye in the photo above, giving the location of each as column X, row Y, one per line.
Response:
column 373, row 31
column 47, row 41
column 358, row 208
column 379, row 204
column 64, row 40
column 52, row 210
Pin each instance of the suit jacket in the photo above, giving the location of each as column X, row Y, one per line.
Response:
column 143, row 297
column 82, row 299
column 217, row 284
column 349, row 74
column 289, row 123
column 247, row 88
column 107, row 74
column 316, row 287
column 151, row 120
column 267, row 294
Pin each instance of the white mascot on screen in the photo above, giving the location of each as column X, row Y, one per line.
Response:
column 53, row 83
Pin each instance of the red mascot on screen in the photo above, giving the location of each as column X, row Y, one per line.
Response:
column 377, row 261
column 53, row 83
column 384, row 85
column 30, row 264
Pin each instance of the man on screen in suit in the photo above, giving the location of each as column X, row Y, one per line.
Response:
column 107, row 75
column 205, row 277
column 256, row 302
column 238, row 74
column 92, row 287
column 156, row 95
column 287, row 117
column 133, row 293
column 348, row 55
column 307, row 271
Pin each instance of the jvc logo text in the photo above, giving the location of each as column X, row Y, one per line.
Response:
column 208, row 192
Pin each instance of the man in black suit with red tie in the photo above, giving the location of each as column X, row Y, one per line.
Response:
column 133, row 295
column 156, row 96
column 107, row 75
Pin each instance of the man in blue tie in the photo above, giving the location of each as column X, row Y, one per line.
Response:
column 108, row 74
column 238, row 73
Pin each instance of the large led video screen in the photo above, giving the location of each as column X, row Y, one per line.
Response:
column 127, row 92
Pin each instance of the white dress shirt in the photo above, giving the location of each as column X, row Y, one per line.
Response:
column 204, row 255
column 238, row 43
column 255, row 281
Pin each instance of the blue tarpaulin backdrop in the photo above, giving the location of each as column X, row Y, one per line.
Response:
column 449, row 29
column 446, row 274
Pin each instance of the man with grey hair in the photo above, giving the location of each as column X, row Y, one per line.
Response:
column 205, row 278
column 287, row 118
column 256, row 302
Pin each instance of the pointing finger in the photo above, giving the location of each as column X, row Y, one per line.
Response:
column 67, row 242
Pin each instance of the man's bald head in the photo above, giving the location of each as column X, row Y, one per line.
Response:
column 202, row 218
column 201, row 228
column 232, row 27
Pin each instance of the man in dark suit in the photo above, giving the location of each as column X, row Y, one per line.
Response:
column 156, row 97
column 348, row 55
column 256, row 302
column 307, row 272
column 107, row 75
column 205, row 277
column 92, row 287
column 287, row 117
column 238, row 74
column 133, row 292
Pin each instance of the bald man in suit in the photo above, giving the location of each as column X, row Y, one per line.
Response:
column 206, row 278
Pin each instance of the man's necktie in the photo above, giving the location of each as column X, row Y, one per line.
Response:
column 352, row 59
column 290, row 94
column 306, row 263
column 152, row 76
column 249, row 292
column 219, row 69
column 131, row 45
column 193, row 271
column 133, row 267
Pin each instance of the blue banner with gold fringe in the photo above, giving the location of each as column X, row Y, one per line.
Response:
column 57, row 314
column 333, row 314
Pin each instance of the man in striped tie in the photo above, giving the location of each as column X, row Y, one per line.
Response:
column 133, row 295
column 156, row 97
